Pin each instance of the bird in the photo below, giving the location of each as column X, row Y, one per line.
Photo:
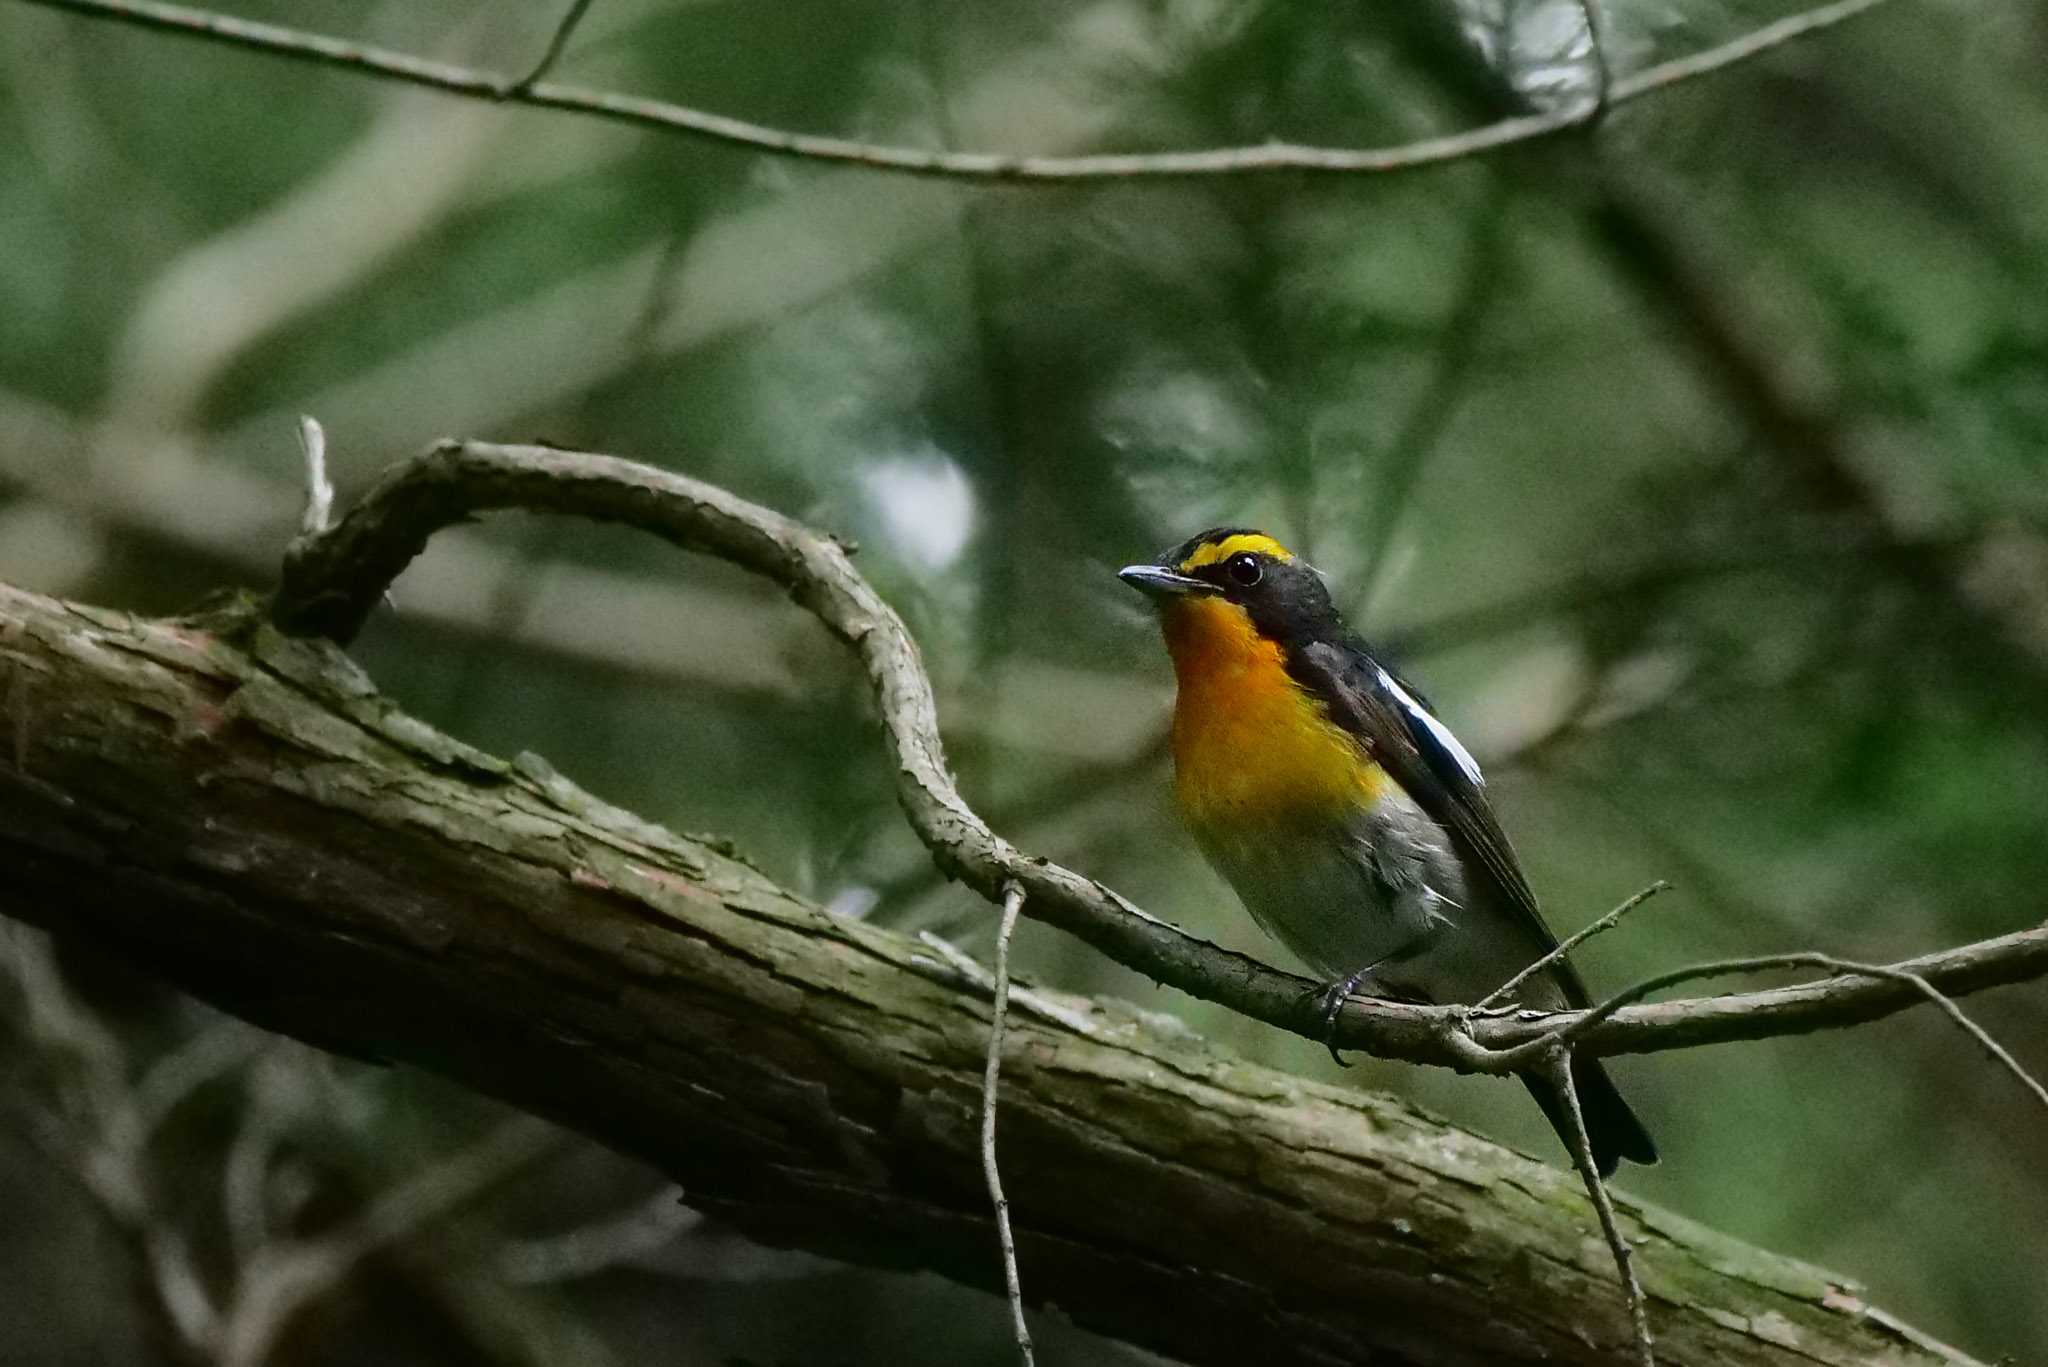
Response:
column 1352, row 824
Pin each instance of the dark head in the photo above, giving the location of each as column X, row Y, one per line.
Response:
column 1237, row 567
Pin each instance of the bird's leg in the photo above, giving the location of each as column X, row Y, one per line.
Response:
column 1331, row 997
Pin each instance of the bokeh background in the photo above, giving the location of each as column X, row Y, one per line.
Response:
column 1698, row 468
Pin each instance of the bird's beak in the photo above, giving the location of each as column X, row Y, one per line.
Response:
column 1156, row 581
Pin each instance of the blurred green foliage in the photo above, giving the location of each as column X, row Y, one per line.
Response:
column 1698, row 466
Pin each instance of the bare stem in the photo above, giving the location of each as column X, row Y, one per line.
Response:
column 1013, row 902
column 1559, row 1068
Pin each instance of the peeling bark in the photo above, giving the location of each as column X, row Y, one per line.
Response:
column 244, row 815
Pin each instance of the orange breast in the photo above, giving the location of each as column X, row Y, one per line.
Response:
column 1250, row 747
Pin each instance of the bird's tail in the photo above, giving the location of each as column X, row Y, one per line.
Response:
column 1610, row 1125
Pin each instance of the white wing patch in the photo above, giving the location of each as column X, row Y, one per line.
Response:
column 1437, row 730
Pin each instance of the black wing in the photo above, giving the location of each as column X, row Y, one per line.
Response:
column 1396, row 727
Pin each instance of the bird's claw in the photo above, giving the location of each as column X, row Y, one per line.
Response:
column 1330, row 1000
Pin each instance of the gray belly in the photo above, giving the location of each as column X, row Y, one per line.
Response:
column 1386, row 889
column 1382, row 886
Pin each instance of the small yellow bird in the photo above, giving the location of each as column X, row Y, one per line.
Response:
column 1350, row 820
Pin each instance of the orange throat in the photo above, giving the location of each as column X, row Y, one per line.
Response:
column 1251, row 748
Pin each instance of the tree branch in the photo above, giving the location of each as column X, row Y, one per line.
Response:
column 244, row 814
column 330, row 583
column 985, row 166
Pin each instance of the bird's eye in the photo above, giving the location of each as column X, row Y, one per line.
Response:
column 1244, row 569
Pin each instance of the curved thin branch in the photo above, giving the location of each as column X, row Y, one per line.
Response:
column 332, row 581
column 987, row 166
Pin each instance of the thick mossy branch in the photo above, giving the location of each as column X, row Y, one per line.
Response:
column 244, row 815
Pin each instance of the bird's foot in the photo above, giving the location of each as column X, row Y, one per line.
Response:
column 1330, row 1001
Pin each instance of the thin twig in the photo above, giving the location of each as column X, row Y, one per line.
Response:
column 1603, row 71
column 1013, row 902
column 556, row 45
column 1579, row 1025
column 1739, row 50
column 999, row 166
column 1605, row 923
column 319, row 492
column 1990, row 1046
column 319, row 489
column 1559, row 1069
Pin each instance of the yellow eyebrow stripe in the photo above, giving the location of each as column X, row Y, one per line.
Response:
column 1215, row 551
